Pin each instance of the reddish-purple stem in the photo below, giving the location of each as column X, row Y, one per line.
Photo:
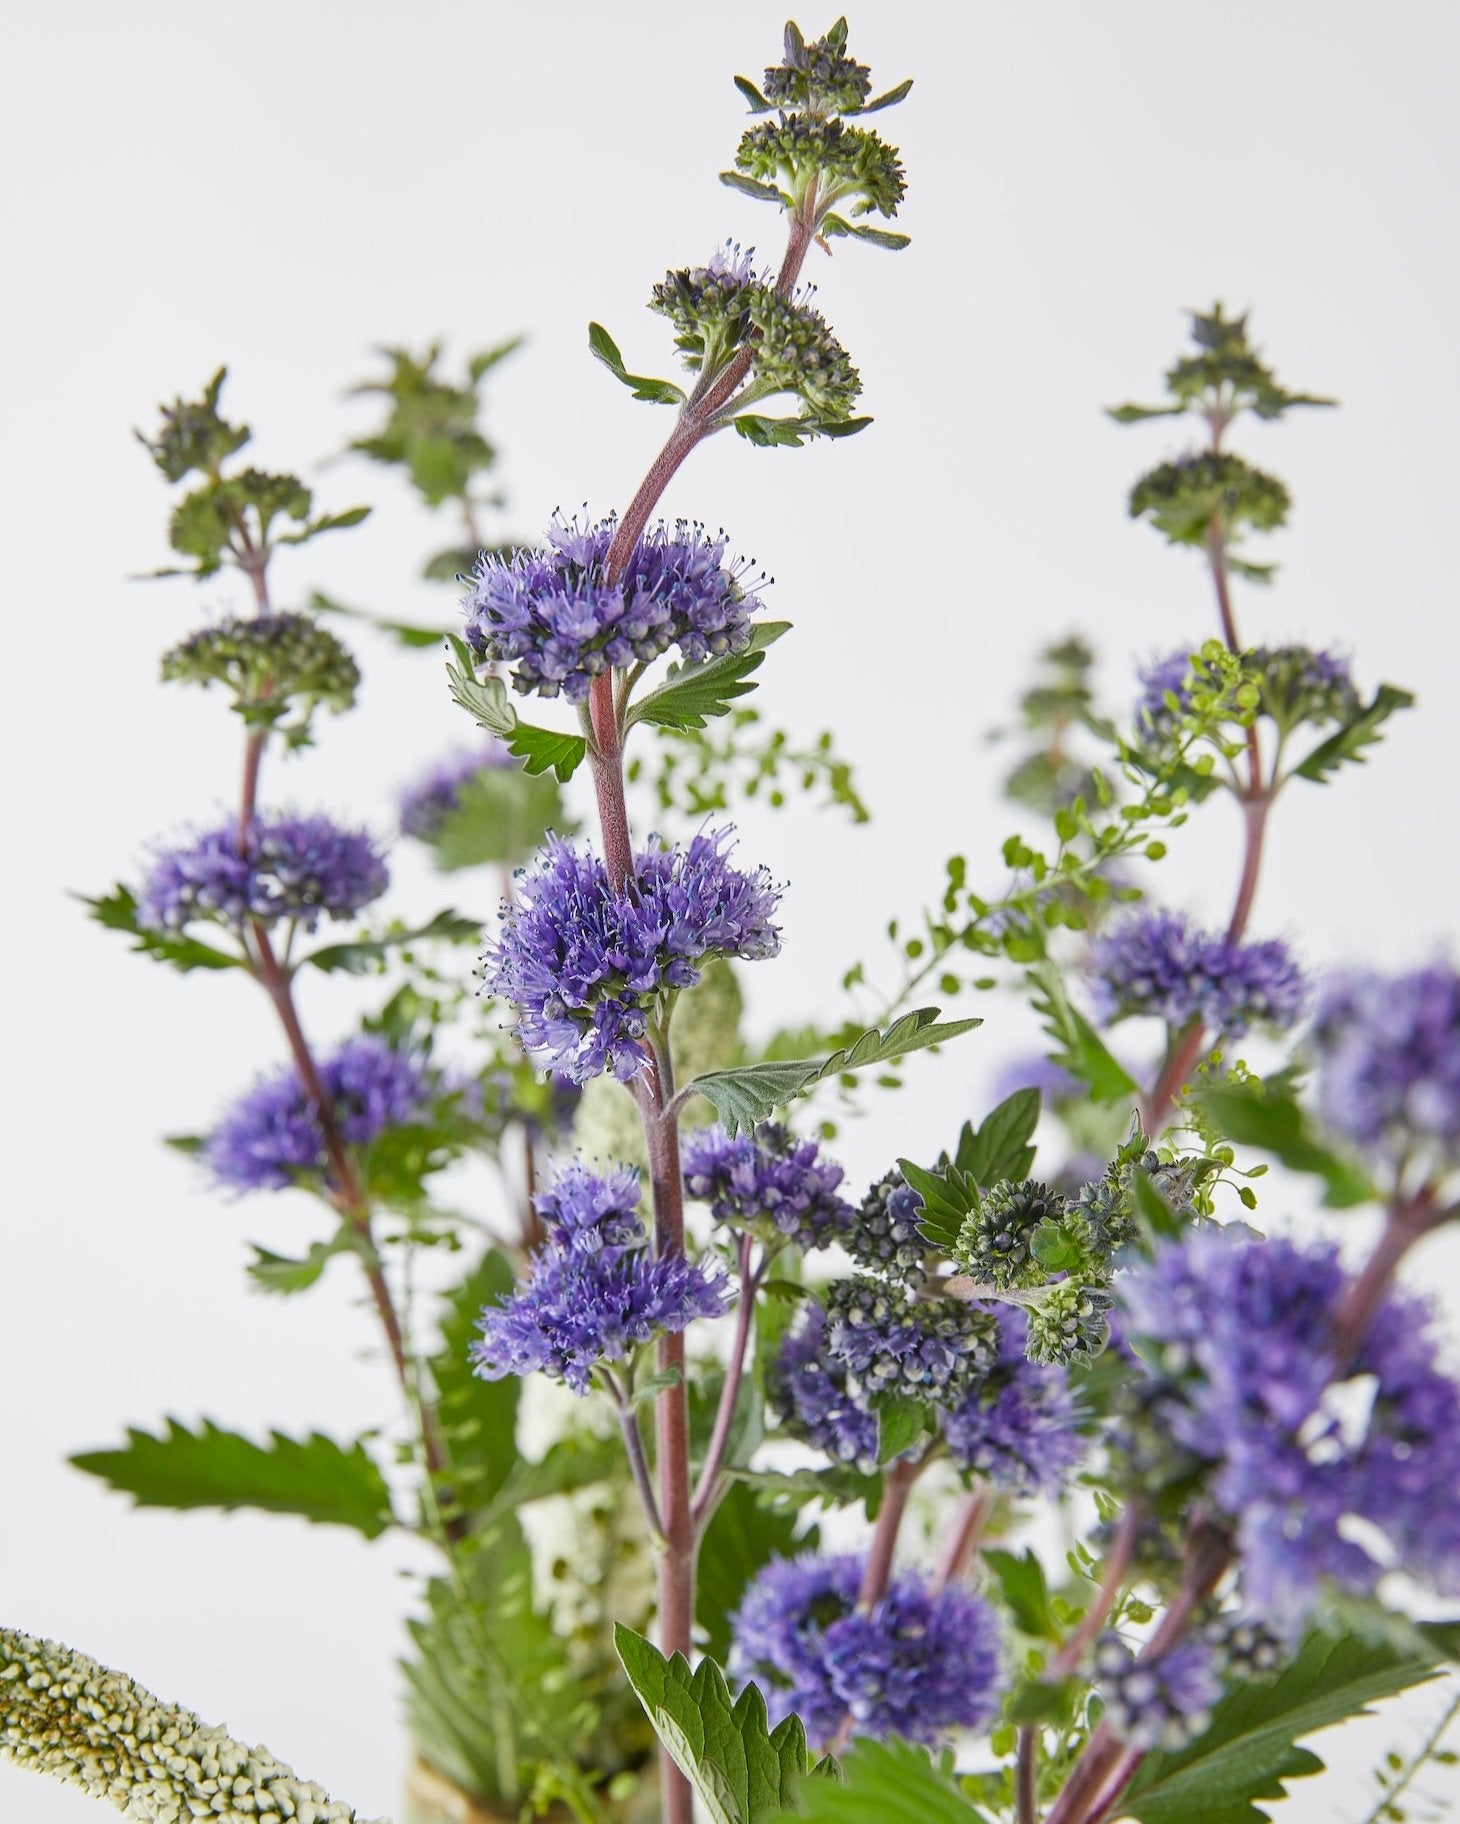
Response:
column 968, row 1524
column 707, row 1489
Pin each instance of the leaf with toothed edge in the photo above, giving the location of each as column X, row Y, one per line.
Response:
column 747, row 186
column 742, row 1769
column 1360, row 731
column 744, row 1098
column 539, row 749
column 1081, row 1051
column 693, row 693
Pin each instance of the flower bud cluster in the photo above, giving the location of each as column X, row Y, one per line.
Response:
column 919, row 1663
column 272, row 664
column 589, row 968
column 64, row 1715
column 593, row 1292
column 883, row 1233
column 559, row 623
column 1186, row 497
column 799, row 151
column 892, row 1344
column 285, row 868
column 818, row 78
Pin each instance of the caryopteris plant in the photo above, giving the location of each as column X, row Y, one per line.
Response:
column 1252, row 1445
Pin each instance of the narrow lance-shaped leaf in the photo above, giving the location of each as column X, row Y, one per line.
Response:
column 314, row 1477
column 1082, row 1051
column 742, row 1769
column 602, row 347
column 744, row 1098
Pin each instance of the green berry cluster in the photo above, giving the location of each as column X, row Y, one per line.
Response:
column 272, row 665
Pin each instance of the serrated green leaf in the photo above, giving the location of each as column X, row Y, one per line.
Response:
column 117, row 911
column 602, row 347
column 742, row 1770
column 540, row 749
column 691, row 694
column 500, row 815
column 744, row 1098
column 359, row 956
column 743, row 1535
column 886, row 1782
column 1000, row 1148
column 1362, row 730
column 315, row 1478
column 947, row 1199
column 1022, row 1584
column 1081, row 1050
column 1249, row 1751
column 1273, row 1121
column 770, row 433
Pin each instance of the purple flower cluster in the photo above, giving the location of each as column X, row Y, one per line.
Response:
column 1389, row 1061
column 1311, row 1456
column 428, row 801
column 888, row 1342
column 286, row 868
column 1159, row 963
column 1019, row 1427
column 271, row 1135
column 768, row 1178
column 920, row 1664
column 588, row 968
column 1163, row 1702
column 1167, row 676
column 807, row 1387
column 552, row 616
column 593, row 1291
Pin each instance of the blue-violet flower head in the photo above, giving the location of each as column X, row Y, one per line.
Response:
column 287, row 867
column 807, row 1388
column 1158, row 962
column 1019, row 1426
column 770, row 1177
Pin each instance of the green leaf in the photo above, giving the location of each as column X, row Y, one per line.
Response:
column 1081, row 1050
column 486, row 699
column 1022, row 1584
column 478, row 1417
column 1134, row 414
column 742, row 1770
column 1360, row 731
column 405, row 633
column 747, row 186
column 947, row 1199
column 900, row 1423
column 1000, row 1148
column 835, row 225
column 499, row 816
column 770, row 433
column 359, row 956
column 886, row 1782
column 326, row 522
column 1249, row 1751
column 491, row 1694
column 117, row 911
column 757, row 101
column 691, row 694
column 316, row 1478
column 602, row 347
column 744, row 1098
column 280, row 1274
column 742, row 1536
column 1273, row 1121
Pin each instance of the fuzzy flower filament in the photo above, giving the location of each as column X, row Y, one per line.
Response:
column 590, row 970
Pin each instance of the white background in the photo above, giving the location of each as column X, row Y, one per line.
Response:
column 283, row 185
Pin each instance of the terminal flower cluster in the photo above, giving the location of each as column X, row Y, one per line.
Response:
column 271, row 1137
column 294, row 868
column 768, row 1180
column 920, row 1664
column 1158, row 962
column 589, row 970
column 553, row 616
column 271, row 663
column 1388, row 1051
column 1299, row 1438
column 594, row 1293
